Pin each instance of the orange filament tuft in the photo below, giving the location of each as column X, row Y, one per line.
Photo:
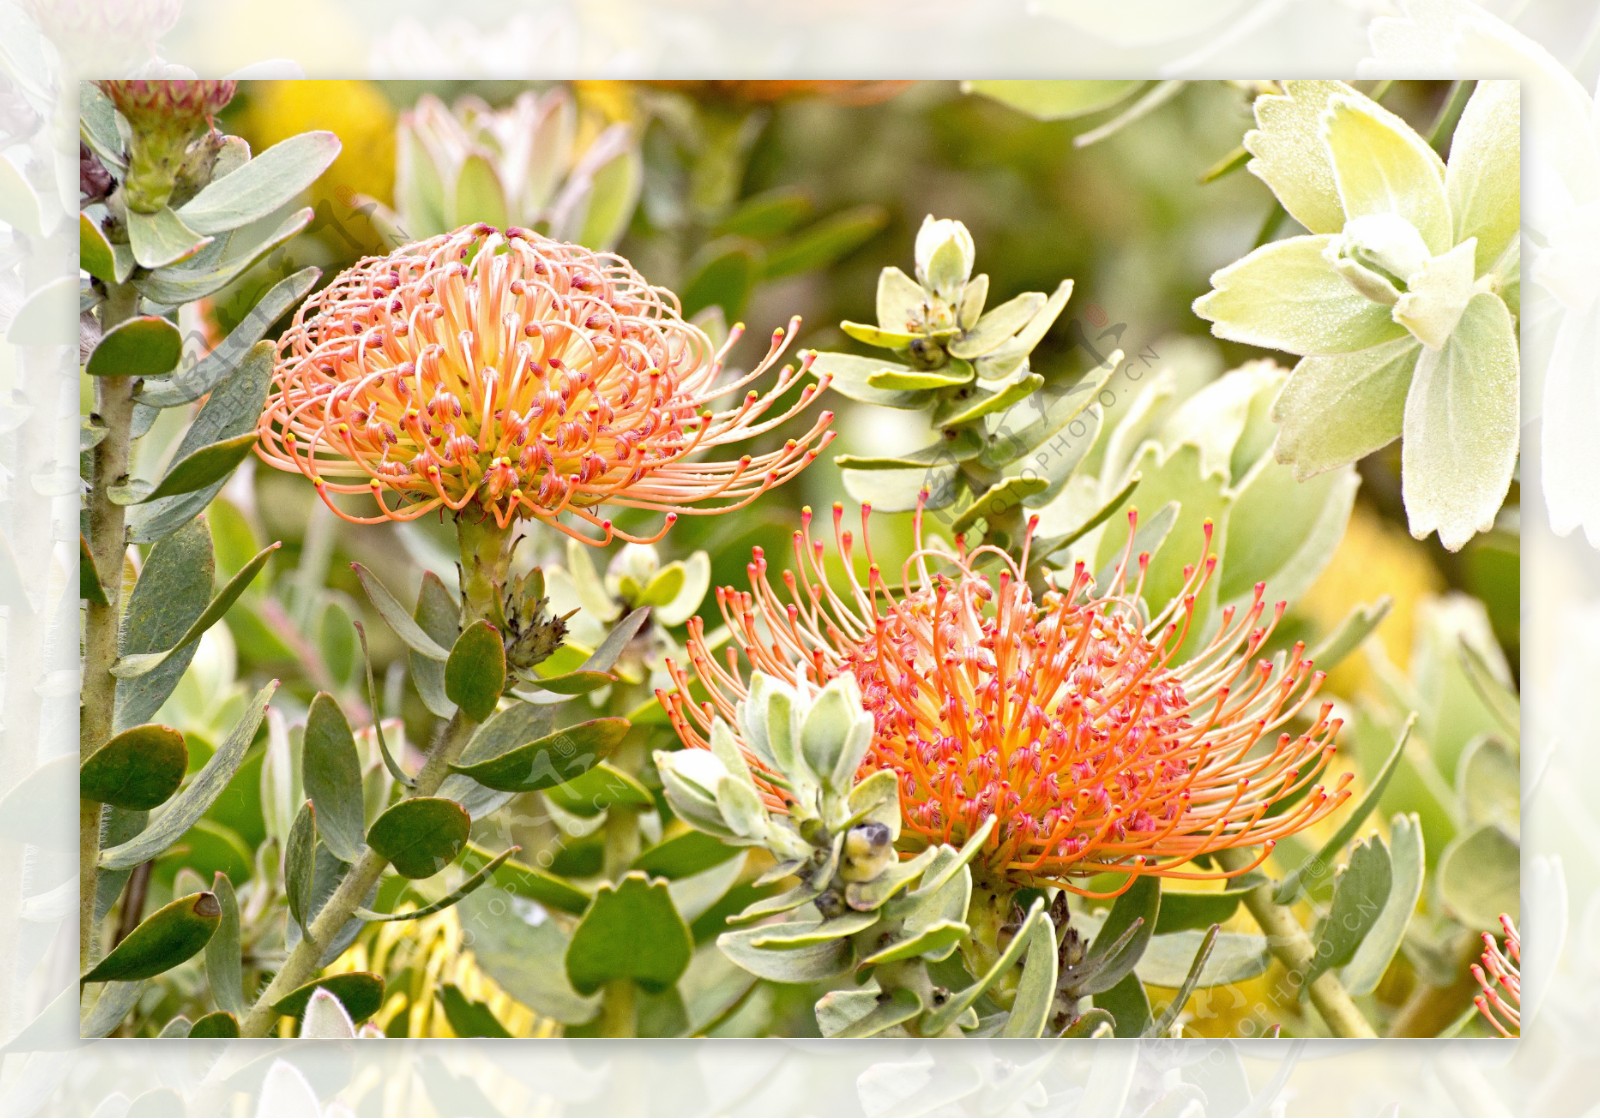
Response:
column 521, row 377
column 1064, row 716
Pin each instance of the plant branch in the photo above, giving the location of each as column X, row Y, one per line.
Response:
column 107, row 540
column 1295, row 951
column 485, row 552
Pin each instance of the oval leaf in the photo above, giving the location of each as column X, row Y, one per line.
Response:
column 162, row 941
column 359, row 992
column 218, row 1024
column 146, row 346
column 332, row 777
column 224, row 966
column 420, row 836
column 270, row 180
column 631, row 931
column 138, row 769
column 299, row 863
column 475, row 672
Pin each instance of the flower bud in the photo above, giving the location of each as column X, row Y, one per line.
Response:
column 1377, row 255
column 164, row 117
column 945, row 255
column 690, row 779
column 868, row 852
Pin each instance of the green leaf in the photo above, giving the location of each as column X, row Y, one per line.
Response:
column 507, row 932
column 161, row 239
column 95, row 255
column 332, row 777
column 823, row 243
column 999, row 325
column 1317, row 865
column 525, row 881
column 1036, row 989
column 1489, row 784
column 877, row 337
column 1462, row 420
column 1121, row 940
column 1234, row 957
column 605, row 656
column 134, row 665
column 1348, row 635
column 197, row 380
column 420, row 836
column 398, row 619
column 475, row 671
column 1283, row 532
column 824, row 958
column 219, row 1024
column 220, row 262
column 683, row 855
column 980, row 401
column 1340, row 408
column 468, row 1017
column 613, row 189
column 263, row 185
column 143, row 346
column 162, row 941
column 1128, row 1004
column 934, row 941
column 1381, row 166
column 473, row 881
column 530, row 766
column 1055, row 100
column 1093, row 1022
column 1286, row 296
column 189, row 805
column 208, row 464
column 224, row 967
column 1190, row 980
column 722, row 275
column 920, row 380
column 951, row 447
column 631, row 931
column 936, row 1021
column 848, row 375
column 578, row 682
column 477, row 194
column 232, row 410
column 1480, row 877
column 767, row 214
column 865, row 1013
column 1387, row 930
column 89, row 587
column 1290, row 156
column 138, row 769
column 1182, row 910
column 1360, row 892
column 394, row 767
column 1003, row 496
column 598, row 788
column 359, row 992
column 1484, row 178
column 439, row 615
column 299, row 864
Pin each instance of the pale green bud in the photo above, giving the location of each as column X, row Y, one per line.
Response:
column 868, row 852
column 945, row 254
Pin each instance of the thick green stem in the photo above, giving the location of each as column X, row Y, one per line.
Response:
column 618, row 1009
column 107, row 528
column 485, row 554
column 989, row 915
column 1294, row 949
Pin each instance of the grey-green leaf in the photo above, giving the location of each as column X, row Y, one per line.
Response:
column 139, row 664
column 190, row 804
column 143, row 346
column 531, row 765
column 162, row 941
column 420, row 836
column 299, row 863
column 168, row 598
column 631, row 931
column 224, row 967
column 269, row 181
column 398, row 618
column 332, row 776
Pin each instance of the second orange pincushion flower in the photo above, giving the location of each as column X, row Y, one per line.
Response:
column 524, row 376
column 1067, row 717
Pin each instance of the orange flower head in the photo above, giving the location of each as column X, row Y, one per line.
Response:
column 510, row 375
column 1064, row 715
column 1500, row 976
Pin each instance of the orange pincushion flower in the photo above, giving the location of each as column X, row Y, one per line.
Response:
column 1500, row 976
column 524, row 376
column 1064, row 716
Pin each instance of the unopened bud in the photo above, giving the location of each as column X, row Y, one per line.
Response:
column 164, row 116
column 868, row 852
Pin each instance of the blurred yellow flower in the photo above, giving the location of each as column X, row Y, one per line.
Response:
column 357, row 112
